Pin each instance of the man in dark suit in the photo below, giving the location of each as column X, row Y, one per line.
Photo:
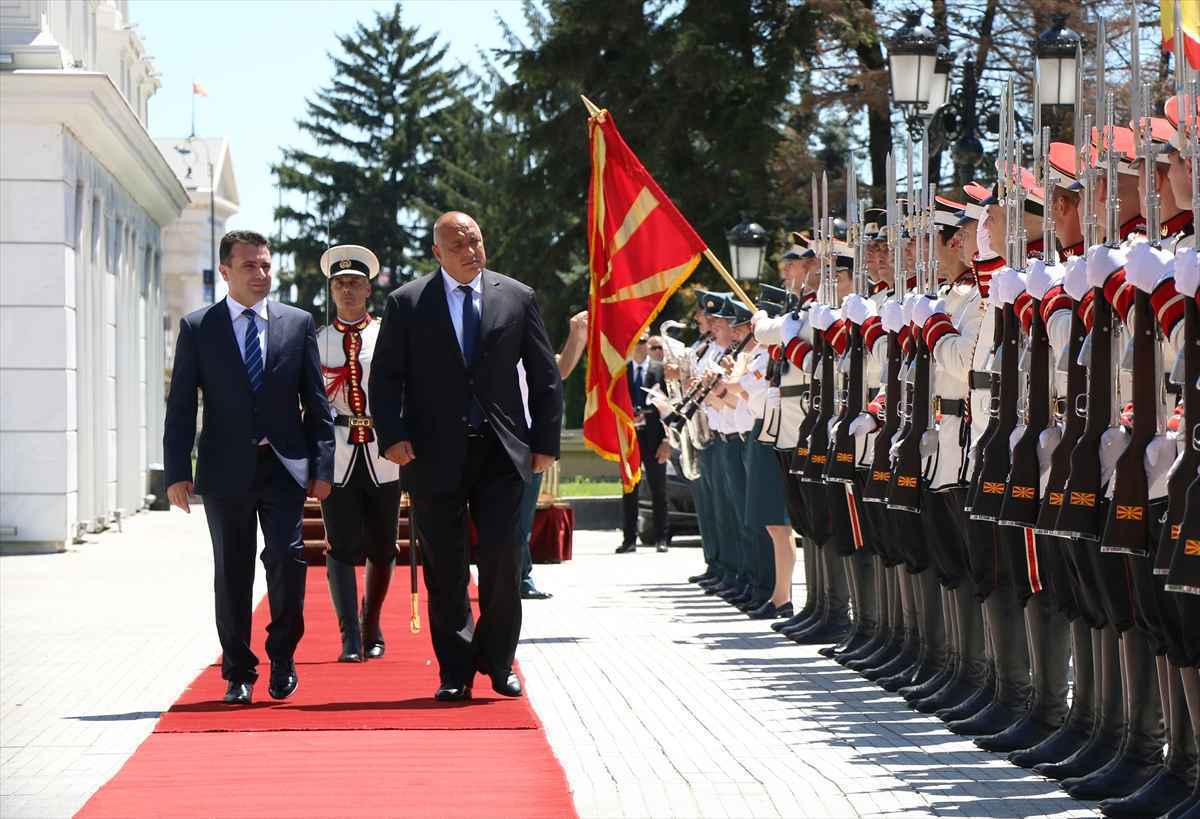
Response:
column 257, row 364
column 644, row 373
column 447, row 406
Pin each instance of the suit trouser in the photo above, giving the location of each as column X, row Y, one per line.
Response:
column 654, row 475
column 490, row 488
column 277, row 501
column 529, row 496
column 734, row 481
column 703, row 495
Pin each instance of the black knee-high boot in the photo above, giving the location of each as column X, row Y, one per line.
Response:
column 911, row 631
column 891, row 632
column 1011, row 655
column 1106, row 730
column 835, row 619
column 343, row 591
column 880, row 632
column 918, row 691
column 1048, row 637
column 378, row 578
column 1190, row 807
column 931, row 650
column 1081, row 718
column 814, row 592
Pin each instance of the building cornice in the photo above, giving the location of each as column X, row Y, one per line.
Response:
column 100, row 118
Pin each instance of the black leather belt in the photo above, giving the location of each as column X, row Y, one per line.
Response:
column 793, row 391
column 353, row 421
column 950, row 406
column 980, row 380
column 1171, row 387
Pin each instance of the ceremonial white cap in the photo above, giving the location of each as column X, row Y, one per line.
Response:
column 349, row 260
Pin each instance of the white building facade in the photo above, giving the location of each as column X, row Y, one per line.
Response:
column 84, row 197
column 205, row 168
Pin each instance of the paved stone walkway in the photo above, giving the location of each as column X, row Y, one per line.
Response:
column 658, row 700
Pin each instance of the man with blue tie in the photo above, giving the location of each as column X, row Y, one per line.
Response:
column 256, row 363
column 644, row 373
column 447, row 405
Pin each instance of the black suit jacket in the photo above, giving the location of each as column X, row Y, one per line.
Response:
column 208, row 359
column 653, row 431
column 420, row 383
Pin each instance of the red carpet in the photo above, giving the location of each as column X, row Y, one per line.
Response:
column 346, row 726
column 338, row 773
column 395, row 692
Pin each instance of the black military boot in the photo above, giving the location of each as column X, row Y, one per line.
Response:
column 916, row 692
column 911, row 646
column 1011, row 654
column 971, row 673
column 1174, row 782
column 890, row 631
column 1077, row 727
column 812, row 588
column 860, row 571
column 1190, row 807
column 1106, row 732
column 343, row 591
column 836, row 620
column 931, row 657
column 1140, row 754
column 977, row 700
column 378, row 578
column 1049, row 644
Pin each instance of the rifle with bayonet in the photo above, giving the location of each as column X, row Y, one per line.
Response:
column 800, row 456
column 823, row 397
column 904, row 489
column 844, row 447
column 989, row 490
column 1183, row 471
column 1079, row 516
column 880, row 475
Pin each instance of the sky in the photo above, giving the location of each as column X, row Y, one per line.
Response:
column 260, row 59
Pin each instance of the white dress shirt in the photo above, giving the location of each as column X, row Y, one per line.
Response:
column 454, row 299
column 239, row 326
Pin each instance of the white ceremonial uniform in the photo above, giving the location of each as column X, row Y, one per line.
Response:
column 344, row 379
column 950, row 378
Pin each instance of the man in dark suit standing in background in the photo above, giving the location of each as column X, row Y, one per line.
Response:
column 644, row 373
column 447, row 407
column 256, row 362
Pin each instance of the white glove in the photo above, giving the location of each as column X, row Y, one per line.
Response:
column 1147, row 266
column 758, row 316
column 1048, row 441
column 822, row 317
column 892, row 316
column 1075, row 278
column 925, row 308
column 1187, row 271
column 863, row 425
column 1112, row 445
column 857, row 309
column 1041, row 277
column 1007, row 284
column 1159, row 458
column 910, row 302
column 1101, row 262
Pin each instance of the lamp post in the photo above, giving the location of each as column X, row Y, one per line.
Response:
column 912, row 64
column 1055, row 50
column 747, row 249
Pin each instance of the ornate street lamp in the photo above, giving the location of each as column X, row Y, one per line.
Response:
column 1055, row 51
column 747, row 249
column 939, row 86
column 912, row 62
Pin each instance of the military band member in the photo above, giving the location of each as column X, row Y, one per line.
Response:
column 362, row 511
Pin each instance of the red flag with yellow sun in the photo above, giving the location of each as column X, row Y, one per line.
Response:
column 1188, row 27
column 640, row 250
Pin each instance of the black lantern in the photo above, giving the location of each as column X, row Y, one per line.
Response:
column 747, row 249
column 912, row 60
column 1055, row 50
column 939, row 86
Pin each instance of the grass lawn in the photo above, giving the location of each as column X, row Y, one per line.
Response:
column 588, row 487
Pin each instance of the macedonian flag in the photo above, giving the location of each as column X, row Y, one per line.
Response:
column 1190, row 26
column 640, row 250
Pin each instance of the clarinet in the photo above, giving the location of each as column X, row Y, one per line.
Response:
column 689, row 406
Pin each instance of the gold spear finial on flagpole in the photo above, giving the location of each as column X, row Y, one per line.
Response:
column 593, row 109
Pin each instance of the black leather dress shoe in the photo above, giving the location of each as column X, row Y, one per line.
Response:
column 660, row 547
column 700, row 578
column 238, row 693
column 506, row 685
column 284, row 681
column 452, row 693
column 535, row 594
column 626, row 548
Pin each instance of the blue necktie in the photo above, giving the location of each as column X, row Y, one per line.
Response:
column 639, row 397
column 253, row 355
column 470, row 339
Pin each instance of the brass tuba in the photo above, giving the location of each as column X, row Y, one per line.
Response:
column 695, row 435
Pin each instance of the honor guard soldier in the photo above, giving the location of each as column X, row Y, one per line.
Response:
column 362, row 511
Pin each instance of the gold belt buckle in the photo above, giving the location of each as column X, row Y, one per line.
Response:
column 937, row 405
column 361, row 421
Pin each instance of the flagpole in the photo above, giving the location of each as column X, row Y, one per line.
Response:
column 594, row 110
column 193, row 108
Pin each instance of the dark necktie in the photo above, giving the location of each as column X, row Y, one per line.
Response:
column 470, row 340
column 637, row 386
column 253, row 355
